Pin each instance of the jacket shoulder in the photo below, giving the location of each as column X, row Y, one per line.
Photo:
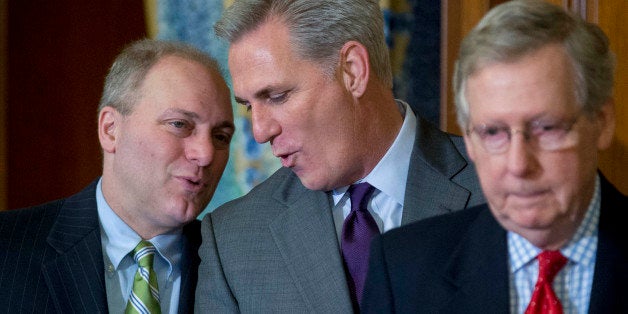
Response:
column 279, row 188
column 28, row 223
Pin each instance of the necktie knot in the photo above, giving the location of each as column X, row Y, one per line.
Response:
column 550, row 263
column 360, row 194
column 144, row 254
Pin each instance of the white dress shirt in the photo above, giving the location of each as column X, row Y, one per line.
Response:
column 118, row 241
column 389, row 177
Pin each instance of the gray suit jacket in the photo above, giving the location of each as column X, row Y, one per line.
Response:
column 51, row 258
column 275, row 250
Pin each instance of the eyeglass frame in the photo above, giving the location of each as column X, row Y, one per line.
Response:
column 530, row 135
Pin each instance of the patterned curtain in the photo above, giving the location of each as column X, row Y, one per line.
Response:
column 413, row 34
column 412, row 31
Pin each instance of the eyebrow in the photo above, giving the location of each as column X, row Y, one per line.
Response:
column 194, row 116
column 188, row 114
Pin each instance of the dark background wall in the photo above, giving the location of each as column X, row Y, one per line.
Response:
column 54, row 56
column 57, row 55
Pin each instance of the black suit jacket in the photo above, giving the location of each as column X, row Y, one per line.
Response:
column 51, row 258
column 458, row 263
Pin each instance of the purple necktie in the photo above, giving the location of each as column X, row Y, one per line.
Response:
column 357, row 231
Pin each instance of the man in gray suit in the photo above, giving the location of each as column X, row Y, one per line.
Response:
column 165, row 123
column 316, row 77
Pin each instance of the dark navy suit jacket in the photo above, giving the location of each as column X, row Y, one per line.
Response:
column 51, row 258
column 458, row 263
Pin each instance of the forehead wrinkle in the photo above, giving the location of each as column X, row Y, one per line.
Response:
column 187, row 113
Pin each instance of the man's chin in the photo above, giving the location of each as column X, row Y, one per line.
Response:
column 184, row 211
column 528, row 219
column 306, row 180
column 314, row 185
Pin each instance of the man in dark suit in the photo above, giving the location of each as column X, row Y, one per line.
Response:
column 165, row 122
column 316, row 78
column 533, row 90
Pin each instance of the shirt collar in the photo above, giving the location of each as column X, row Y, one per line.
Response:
column 119, row 239
column 391, row 173
column 580, row 249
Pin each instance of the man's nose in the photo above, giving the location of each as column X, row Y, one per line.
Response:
column 265, row 127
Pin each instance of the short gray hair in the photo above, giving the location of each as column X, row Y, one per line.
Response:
column 318, row 28
column 516, row 28
column 125, row 77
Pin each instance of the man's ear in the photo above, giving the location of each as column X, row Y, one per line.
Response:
column 469, row 146
column 355, row 66
column 607, row 125
column 108, row 120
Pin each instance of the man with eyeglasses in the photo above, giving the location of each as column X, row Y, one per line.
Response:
column 533, row 88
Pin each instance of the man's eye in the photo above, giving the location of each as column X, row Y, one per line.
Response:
column 180, row 127
column 222, row 140
column 546, row 128
column 278, row 98
column 491, row 131
column 178, row 124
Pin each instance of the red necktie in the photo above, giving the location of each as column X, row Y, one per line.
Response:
column 544, row 299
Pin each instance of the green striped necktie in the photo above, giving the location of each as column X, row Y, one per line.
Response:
column 144, row 298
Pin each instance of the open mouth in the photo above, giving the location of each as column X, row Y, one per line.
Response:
column 192, row 184
column 287, row 160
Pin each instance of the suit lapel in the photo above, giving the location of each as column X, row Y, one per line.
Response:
column 478, row 269
column 430, row 190
column 306, row 238
column 75, row 278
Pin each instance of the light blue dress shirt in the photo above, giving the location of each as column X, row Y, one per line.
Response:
column 573, row 283
column 118, row 241
column 389, row 177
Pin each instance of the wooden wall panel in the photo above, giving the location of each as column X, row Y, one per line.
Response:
column 612, row 17
column 457, row 18
column 58, row 56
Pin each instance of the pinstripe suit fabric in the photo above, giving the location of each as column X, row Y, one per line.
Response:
column 51, row 258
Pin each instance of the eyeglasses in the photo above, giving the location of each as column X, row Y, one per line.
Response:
column 547, row 135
